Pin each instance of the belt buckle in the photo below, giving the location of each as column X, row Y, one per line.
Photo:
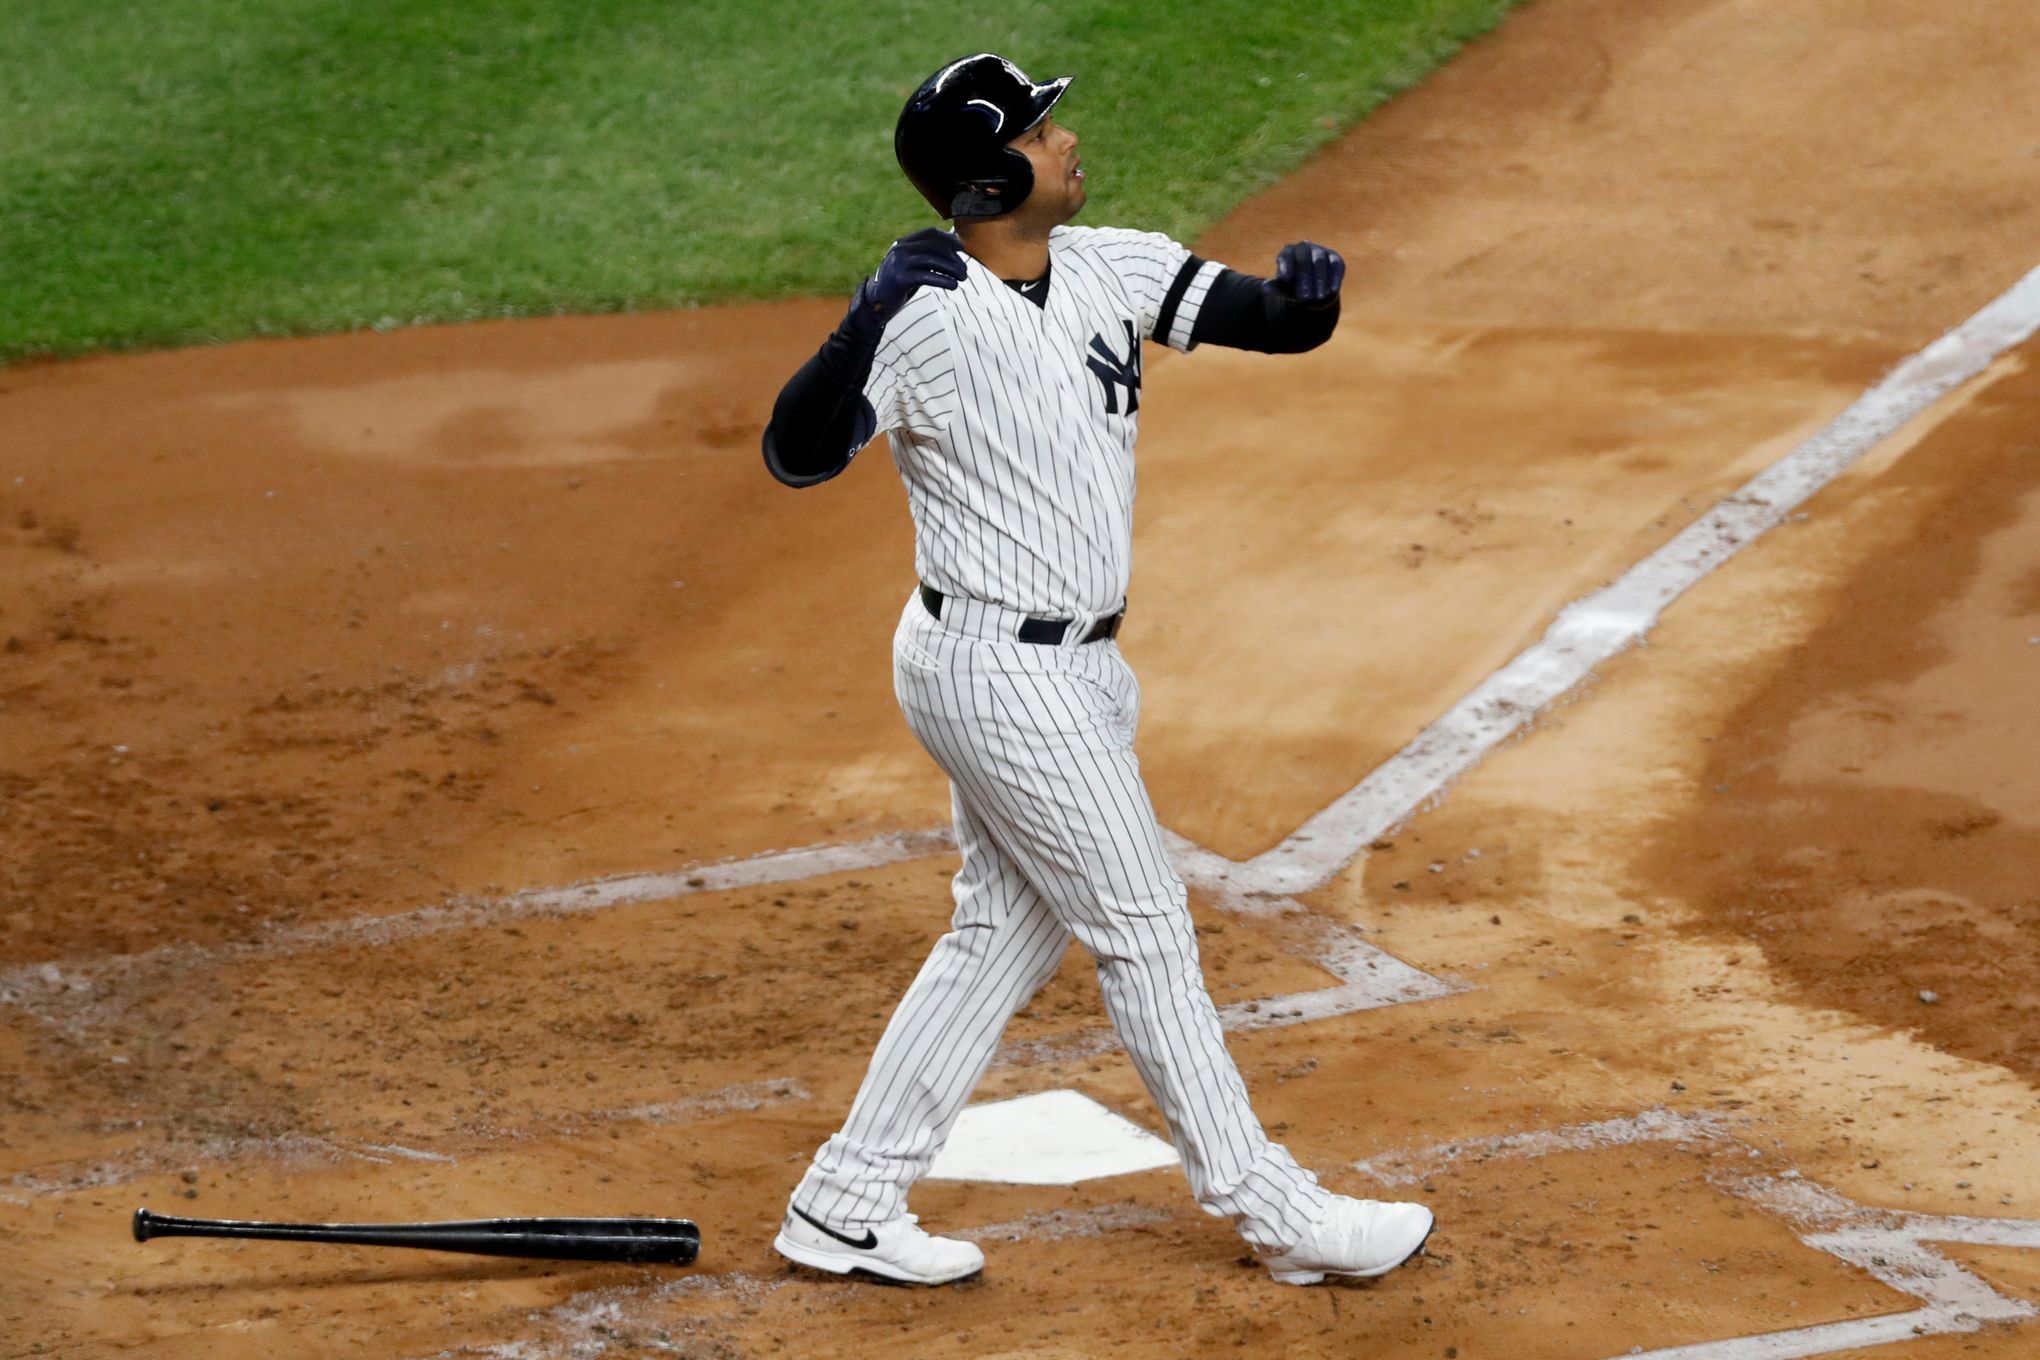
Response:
column 1044, row 632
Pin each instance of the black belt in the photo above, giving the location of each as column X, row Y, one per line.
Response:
column 1047, row 632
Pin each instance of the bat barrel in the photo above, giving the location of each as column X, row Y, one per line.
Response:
column 644, row 1241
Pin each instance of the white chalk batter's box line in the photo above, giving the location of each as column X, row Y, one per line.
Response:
column 94, row 995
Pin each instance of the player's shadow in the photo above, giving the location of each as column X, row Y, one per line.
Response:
column 349, row 1277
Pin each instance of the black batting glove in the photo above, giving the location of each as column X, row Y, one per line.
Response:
column 1310, row 273
column 930, row 258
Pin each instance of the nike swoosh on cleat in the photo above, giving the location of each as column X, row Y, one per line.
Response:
column 870, row 1237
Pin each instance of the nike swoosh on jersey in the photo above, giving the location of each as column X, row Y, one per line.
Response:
column 870, row 1237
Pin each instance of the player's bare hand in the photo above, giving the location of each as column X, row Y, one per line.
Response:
column 1309, row 272
column 930, row 258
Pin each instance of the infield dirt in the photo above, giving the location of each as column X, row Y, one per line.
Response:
column 300, row 634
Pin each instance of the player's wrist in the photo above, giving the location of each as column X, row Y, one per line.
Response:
column 867, row 315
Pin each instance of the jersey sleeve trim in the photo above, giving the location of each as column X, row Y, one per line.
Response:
column 1177, row 319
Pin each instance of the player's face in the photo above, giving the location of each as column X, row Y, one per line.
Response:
column 1058, row 171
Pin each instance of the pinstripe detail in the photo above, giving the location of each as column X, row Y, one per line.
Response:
column 1059, row 841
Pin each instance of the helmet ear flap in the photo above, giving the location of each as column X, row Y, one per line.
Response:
column 1019, row 178
column 973, row 200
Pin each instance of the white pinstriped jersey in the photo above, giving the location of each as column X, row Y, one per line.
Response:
column 1013, row 425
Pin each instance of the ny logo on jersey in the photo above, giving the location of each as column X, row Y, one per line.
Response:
column 1115, row 372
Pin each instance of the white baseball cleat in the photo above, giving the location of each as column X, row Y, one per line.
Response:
column 897, row 1250
column 1356, row 1237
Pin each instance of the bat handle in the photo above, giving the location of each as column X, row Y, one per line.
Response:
column 144, row 1222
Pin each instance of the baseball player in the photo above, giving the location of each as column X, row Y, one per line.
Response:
column 1004, row 363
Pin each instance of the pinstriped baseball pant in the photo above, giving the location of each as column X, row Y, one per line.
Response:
column 1059, row 841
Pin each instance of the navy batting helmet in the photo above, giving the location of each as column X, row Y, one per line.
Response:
column 952, row 135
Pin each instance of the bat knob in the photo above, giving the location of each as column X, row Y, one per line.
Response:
column 142, row 1220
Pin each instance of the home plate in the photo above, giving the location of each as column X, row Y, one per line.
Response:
column 1050, row 1138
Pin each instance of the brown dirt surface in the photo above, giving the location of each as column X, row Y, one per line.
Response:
column 1872, row 811
column 314, row 655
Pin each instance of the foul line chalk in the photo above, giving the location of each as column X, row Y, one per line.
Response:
column 1803, row 1342
column 1652, row 1126
column 1888, row 1245
column 65, row 994
column 1596, row 627
column 303, row 1149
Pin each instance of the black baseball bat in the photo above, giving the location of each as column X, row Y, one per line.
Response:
column 640, row 1241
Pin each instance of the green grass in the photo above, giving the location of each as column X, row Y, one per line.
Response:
column 209, row 169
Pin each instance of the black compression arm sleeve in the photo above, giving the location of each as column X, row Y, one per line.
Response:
column 821, row 418
column 1243, row 312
